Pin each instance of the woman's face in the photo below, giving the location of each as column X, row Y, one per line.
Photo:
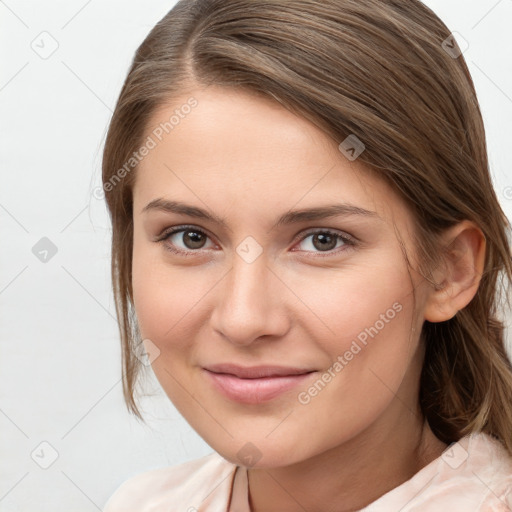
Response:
column 254, row 280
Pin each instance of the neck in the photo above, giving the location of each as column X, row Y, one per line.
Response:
column 356, row 473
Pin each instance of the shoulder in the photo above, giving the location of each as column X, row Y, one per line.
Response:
column 186, row 484
column 475, row 472
column 499, row 497
column 494, row 472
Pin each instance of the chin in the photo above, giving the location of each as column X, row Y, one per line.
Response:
column 262, row 454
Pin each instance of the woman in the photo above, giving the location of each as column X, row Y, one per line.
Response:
column 308, row 246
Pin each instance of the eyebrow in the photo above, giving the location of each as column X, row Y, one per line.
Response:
column 291, row 217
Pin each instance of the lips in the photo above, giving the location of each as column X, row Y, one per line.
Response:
column 255, row 384
column 256, row 372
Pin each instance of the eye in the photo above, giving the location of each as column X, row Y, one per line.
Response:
column 188, row 236
column 326, row 241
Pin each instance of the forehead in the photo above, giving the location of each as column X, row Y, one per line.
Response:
column 241, row 149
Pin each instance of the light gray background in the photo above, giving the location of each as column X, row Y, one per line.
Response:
column 60, row 356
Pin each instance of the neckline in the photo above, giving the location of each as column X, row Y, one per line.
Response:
column 239, row 501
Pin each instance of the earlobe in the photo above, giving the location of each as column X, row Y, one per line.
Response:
column 458, row 281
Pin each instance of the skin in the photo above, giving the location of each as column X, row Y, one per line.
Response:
column 248, row 160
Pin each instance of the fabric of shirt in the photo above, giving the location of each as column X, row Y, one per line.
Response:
column 472, row 475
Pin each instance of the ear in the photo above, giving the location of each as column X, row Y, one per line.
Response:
column 460, row 276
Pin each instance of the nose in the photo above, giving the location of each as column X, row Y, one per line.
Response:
column 250, row 303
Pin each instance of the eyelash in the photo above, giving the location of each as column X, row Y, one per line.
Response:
column 347, row 240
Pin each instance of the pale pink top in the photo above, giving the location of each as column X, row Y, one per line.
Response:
column 472, row 475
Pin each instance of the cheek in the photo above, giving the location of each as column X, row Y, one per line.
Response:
column 352, row 303
column 366, row 316
column 370, row 351
column 168, row 300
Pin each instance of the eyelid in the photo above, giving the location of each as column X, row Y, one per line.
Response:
column 182, row 227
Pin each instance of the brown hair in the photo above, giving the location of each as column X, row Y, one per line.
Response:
column 379, row 69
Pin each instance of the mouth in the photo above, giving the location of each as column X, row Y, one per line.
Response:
column 256, row 384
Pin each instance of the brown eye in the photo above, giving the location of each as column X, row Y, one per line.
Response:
column 194, row 239
column 185, row 240
column 324, row 241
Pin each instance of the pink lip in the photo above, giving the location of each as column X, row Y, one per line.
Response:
column 252, row 385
